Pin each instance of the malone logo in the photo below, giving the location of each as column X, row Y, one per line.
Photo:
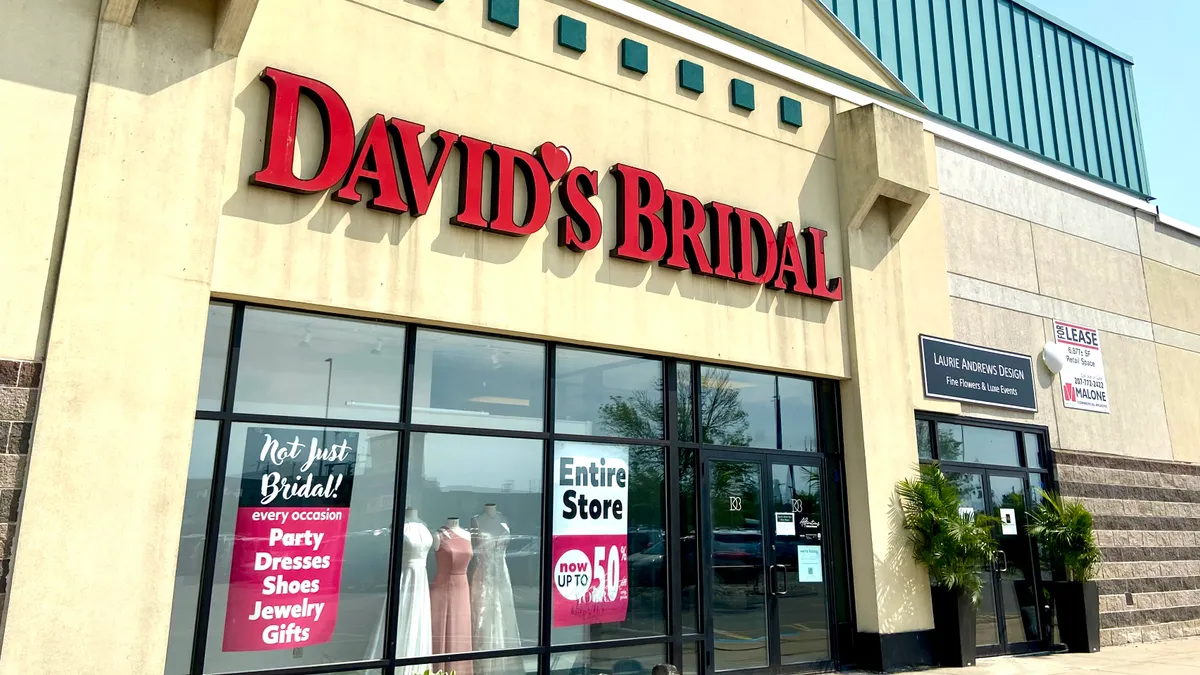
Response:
column 654, row 224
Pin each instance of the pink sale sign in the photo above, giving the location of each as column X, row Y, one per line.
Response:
column 590, row 543
column 289, row 539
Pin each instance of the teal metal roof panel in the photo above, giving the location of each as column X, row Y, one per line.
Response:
column 1013, row 72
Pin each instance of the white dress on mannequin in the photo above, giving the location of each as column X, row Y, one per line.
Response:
column 414, row 628
column 494, row 620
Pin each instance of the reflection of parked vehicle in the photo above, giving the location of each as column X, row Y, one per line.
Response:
column 737, row 555
column 648, row 569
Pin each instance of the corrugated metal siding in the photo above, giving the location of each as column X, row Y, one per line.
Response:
column 1013, row 73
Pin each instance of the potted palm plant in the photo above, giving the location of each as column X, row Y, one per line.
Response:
column 954, row 544
column 1063, row 528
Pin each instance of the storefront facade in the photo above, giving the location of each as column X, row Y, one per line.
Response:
column 549, row 338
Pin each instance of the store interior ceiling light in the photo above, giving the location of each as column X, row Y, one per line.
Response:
column 501, row 400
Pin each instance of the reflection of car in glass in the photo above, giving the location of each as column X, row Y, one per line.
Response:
column 647, row 568
column 737, row 555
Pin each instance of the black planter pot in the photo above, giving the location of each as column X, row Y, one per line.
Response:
column 1077, row 605
column 954, row 628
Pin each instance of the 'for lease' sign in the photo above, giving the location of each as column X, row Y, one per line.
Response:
column 1083, row 374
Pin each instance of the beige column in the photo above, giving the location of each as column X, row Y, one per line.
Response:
column 95, row 557
column 895, row 289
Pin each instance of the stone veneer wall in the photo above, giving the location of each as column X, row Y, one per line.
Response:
column 1148, row 526
column 19, row 384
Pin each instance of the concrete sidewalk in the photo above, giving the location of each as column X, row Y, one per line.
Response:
column 1170, row 657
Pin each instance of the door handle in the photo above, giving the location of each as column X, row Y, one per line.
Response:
column 1001, row 561
column 778, row 588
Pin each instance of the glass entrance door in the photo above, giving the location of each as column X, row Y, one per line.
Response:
column 1015, row 573
column 1008, row 619
column 766, row 577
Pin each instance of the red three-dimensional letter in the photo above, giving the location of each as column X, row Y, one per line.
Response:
column 279, row 153
column 790, row 276
column 375, row 166
column 719, row 239
column 685, row 223
column 754, row 239
column 470, row 182
column 580, row 229
column 831, row 289
column 505, row 164
column 640, row 232
column 419, row 183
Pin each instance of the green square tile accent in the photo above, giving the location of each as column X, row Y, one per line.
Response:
column 505, row 12
column 572, row 33
column 790, row 112
column 691, row 76
column 635, row 56
column 742, row 94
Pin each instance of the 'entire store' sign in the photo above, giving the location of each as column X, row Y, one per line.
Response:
column 654, row 224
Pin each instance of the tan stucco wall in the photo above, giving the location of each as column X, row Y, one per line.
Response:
column 1174, row 296
column 999, row 328
column 895, row 262
column 989, row 245
column 95, row 555
column 317, row 252
column 1179, row 370
column 1137, row 423
column 1024, row 251
column 43, row 83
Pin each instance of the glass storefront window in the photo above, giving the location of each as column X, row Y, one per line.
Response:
column 797, row 414
column 191, row 547
column 304, row 365
column 304, row 537
column 689, row 545
column 310, row 545
column 587, row 530
column 949, row 442
column 737, row 408
column 617, row 661
column 684, row 411
column 991, row 446
column 471, row 550
column 603, row 394
column 510, row 665
column 216, row 353
column 924, row 441
column 1033, row 451
column 469, row 381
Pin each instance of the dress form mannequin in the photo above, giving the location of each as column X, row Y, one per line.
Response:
column 414, row 626
column 494, row 618
column 450, row 596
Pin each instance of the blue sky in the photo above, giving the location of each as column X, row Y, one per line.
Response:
column 1160, row 37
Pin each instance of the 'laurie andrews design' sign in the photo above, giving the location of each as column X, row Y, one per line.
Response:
column 289, row 538
column 653, row 224
column 963, row 372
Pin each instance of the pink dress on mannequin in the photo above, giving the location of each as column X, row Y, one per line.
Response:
column 450, row 597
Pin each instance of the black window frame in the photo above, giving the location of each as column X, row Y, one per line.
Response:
column 1040, row 431
column 674, row 641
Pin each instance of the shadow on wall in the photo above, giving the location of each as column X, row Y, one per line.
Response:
column 900, row 599
column 355, row 221
column 162, row 32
